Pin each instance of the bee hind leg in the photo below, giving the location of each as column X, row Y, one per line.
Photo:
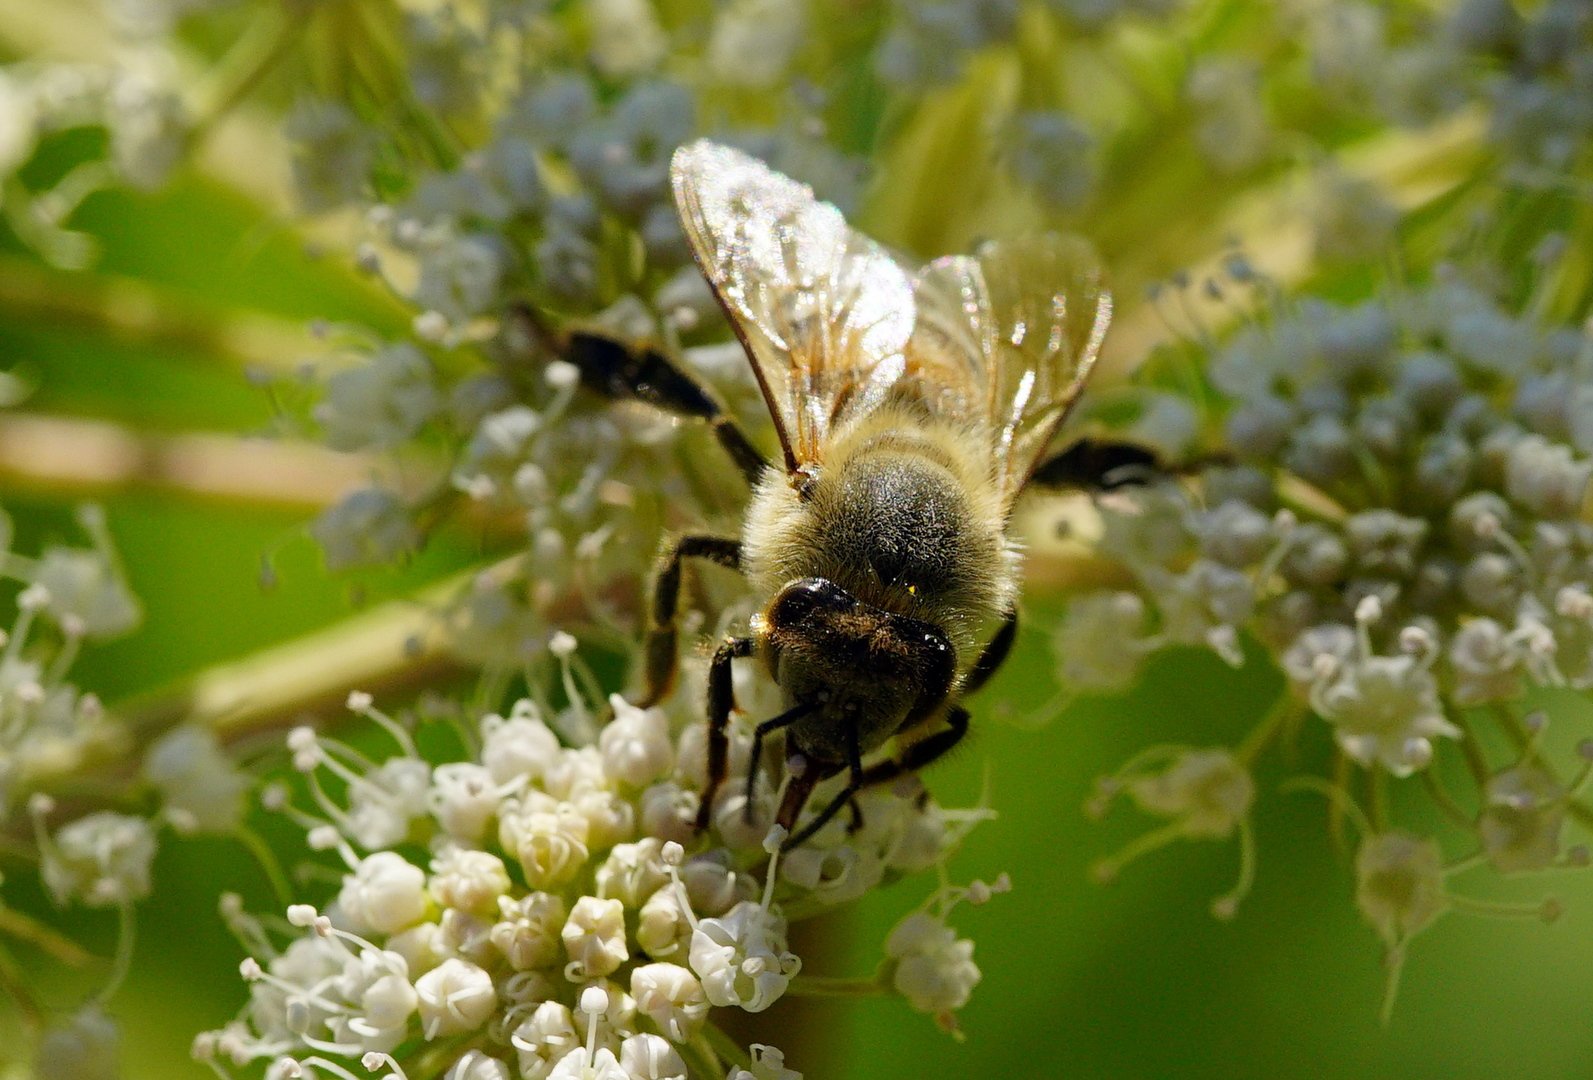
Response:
column 994, row 654
column 1103, row 465
column 721, row 700
column 622, row 372
column 662, row 648
column 921, row 753
column 1099, row 465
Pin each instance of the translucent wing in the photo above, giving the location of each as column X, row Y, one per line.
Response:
column 824, row 312
column 1010, row 336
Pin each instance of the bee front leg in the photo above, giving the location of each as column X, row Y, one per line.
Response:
column 847, row 797
column 759, row 733
column 662, row 648
column 721, row 700
column 994, row 654
column 922, row 752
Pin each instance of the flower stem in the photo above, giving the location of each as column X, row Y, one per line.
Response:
column 14, row 984
column 262, row 47
column 1284, row 711
column 269, row 864
column 827, row 986
column 1445, row 801
column 393, row 645
column 61, row 457
column 700, row 1057
column 126, row 925
column 23, row 928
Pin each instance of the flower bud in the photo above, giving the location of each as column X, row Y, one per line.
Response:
column 671, row 997
column 455, row 997
column 594, row 938
column 385, row 893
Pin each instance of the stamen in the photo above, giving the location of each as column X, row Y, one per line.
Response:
column 330, row 1066
column 673, row 855
column 1226, row 906
column 1368, row 611
column 1104, row 871
column 362, row 703
column 1341, row 800
column 373, row 1060
column 1548, row 909
column 594, row 1003
column 772, row 844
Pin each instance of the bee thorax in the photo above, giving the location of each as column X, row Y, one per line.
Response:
column 897, row 524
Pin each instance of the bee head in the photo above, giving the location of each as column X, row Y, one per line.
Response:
column 862, row 671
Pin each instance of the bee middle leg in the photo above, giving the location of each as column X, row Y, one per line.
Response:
column 721, row 700
column 662, row 655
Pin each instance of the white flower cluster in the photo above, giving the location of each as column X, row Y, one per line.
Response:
column 549, row 911
column 928, row 44
column 98, row 858
column 73, row 596
column 136, row 102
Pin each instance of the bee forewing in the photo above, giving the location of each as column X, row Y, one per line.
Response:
column 1012, row 334
column 823, row 311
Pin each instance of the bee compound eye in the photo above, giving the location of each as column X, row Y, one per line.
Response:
column 799, row 600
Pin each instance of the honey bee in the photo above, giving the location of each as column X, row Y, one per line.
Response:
column 912, row 409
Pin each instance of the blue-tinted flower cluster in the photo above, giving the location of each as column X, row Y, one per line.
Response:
column 1405, row 529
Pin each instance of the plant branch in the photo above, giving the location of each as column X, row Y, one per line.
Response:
column 73, row 458
column 235, row 141
column 142, row 313
column 395, row 644
column 264, row 45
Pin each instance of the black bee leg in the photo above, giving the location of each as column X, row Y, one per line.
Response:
column 1099, row 465
column 856, row 824
column 994, row 654
column 1102, row 465
column 721, row 699
column 784, row 720
column 847, row 797
column 623, row 372
column 662, row 648
column 922, row 752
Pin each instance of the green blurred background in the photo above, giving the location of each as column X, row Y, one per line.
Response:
column 1131, row 980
